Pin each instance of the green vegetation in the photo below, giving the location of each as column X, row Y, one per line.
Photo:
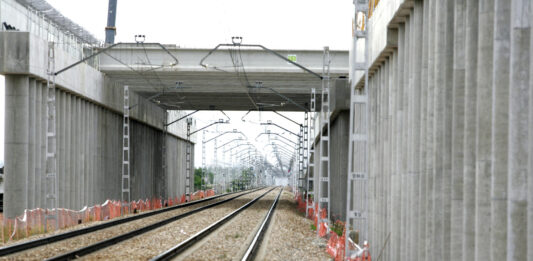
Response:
column 198, row 179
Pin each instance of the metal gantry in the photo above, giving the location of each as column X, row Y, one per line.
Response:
column 324, row 166
column 51, row 142
column 126, row 147
column 356, row 196
column 311, row 164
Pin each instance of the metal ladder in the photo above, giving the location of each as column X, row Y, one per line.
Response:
column 301, row 149
column 324, row 166
column 126, row 148
column 188, row 162
column 356, row 204
column 51, row 142
column 311, row 164
column 204, row 165
column 305, row 157
column 164, row 156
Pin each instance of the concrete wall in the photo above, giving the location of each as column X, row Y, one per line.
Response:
column 339, row 166
column 89, row 139
column 450, row 136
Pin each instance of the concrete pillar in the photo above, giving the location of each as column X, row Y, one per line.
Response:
column 416, row 125
column 447, row 148
column 484, row 128
column 439, row 120
column 405, row 141
column 430, row 244
column 85, row 134
column 16, row 144
column 523, row 24
column 400, row 126
column 472, row 8
column 30, row 185
column 69, row 157
column 458, row 127
column 518, row 229
column 421, row 252
column 92, row 152
column 62, row 142
column 500, row 129
column 42, row 184
column 78, row 153
column 393, row 206
column 99, row 184
column 39, row 129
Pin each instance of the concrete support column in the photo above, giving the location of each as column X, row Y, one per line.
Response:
column 78, row 152
column 39, row 129
column 69, row 177
column 500, row 129
column 405, row 142
column 472, row 8
column 395, row 239
column 458, row 127
column 439, row 123
column 484, row 129
column 16, row 144
column 447, row 148
column 84, row 134
column 400, row 126
column 42, row 185
column 416, row 58
column 421, row 249
column 430, row 143
column 61, row 130
column 32, row 155
column 520, row 163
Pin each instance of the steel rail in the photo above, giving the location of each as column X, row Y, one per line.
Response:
column 67, row 235
column 69, row 257
column 176, row 250
column 123, row 237
column 256, row 242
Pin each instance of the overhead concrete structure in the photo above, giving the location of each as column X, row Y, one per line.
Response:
column 227, row 79
column 89, row 109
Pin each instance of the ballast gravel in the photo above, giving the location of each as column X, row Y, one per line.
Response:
column 290, row 236
column 148, row 245
column 231, row 241
column 74, row 243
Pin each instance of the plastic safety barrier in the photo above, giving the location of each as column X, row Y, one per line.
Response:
column 32, row 222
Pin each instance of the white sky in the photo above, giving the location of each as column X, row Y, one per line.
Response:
column 283, row 24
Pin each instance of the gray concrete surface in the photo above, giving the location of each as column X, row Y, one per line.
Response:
column 460, row 140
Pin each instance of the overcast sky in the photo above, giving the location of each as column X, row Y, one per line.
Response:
column 281, row 24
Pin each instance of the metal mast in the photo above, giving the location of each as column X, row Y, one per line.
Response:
column 126, row 147
column 311, row 165
column 188, row 168
column 356, row 196
column 51, row 142
column 324, row 166
column 204, row 166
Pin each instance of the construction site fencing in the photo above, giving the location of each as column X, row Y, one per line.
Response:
column 335, row 243
column 32, row 222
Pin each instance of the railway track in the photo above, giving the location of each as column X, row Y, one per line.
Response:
column 251, row 219
column 63, row 243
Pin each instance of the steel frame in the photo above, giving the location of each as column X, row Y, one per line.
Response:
column 324, row 166
column 356, row 203
column 51, row 143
